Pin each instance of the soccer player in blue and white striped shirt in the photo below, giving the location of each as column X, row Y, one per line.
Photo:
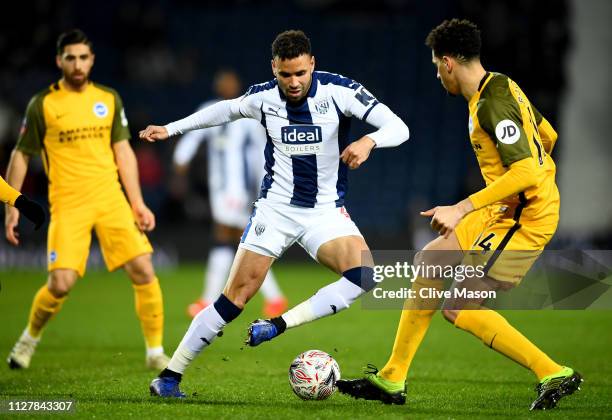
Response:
column 306, row 114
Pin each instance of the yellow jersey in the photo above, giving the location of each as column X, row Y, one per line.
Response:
column 503, row 127
column 73, row 132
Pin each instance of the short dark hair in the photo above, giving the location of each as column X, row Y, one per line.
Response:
column 74, row 36
column 291, row 44
column 458, row 38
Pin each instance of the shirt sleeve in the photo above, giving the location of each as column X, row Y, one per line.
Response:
column 8, row 194
column 502, row 121
column 32, row 132
column 120, row 129
column 392, row 131
column 249, row 105
column 520, row 176
column 358, row 101
column 217, row 114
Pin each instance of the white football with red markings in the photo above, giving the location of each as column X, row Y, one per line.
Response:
column 313, row 375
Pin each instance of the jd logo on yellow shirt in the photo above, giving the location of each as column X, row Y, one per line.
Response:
column 507, row 132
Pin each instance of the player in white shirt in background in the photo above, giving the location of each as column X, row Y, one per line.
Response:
column 306, row 115
column 235, row 170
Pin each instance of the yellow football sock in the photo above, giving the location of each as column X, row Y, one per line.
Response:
column 498, row 334
column 8, row 194
column 412, row 327
column 150, row 311
column 44, row 307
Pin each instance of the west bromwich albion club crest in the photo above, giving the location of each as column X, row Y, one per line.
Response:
column 259, row 229
column 322, row 107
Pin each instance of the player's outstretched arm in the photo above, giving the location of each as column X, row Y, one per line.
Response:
column 520, row 176
column 217, row 114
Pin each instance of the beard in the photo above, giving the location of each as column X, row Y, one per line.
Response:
column 76, row 79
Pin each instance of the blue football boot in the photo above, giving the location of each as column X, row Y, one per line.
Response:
column 166, row 387
column 259, row 331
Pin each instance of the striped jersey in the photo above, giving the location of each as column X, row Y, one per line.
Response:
column 304, row 141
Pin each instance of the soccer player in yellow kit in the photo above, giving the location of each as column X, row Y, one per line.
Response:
column 80, row 130
column 518, row 211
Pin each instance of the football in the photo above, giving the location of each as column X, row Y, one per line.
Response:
column 313, row 375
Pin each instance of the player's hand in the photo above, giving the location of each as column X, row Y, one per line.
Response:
column 444, row 219
column 357, row 152
column 31, row 210
column 145, row 219
column 11, row 220
column 153, row 133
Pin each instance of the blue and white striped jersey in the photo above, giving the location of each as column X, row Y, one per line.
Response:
column 304, row 141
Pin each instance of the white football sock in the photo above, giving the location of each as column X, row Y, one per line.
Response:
column 327, row 301
column 204, row 328
column 202, row 331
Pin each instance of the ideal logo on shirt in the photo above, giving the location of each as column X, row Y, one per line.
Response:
column 301, row 139
column 304, row 134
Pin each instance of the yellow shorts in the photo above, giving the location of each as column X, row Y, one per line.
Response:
column 69, row 236
column 506, row 247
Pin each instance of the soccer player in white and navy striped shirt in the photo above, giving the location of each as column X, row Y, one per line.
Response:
column 306, row 115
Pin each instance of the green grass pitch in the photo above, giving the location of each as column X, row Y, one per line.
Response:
column 93, row 353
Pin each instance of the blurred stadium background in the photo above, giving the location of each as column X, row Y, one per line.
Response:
column 161, row 56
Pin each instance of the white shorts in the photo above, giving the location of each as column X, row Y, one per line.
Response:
column 274, row 227
column 230, row 210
